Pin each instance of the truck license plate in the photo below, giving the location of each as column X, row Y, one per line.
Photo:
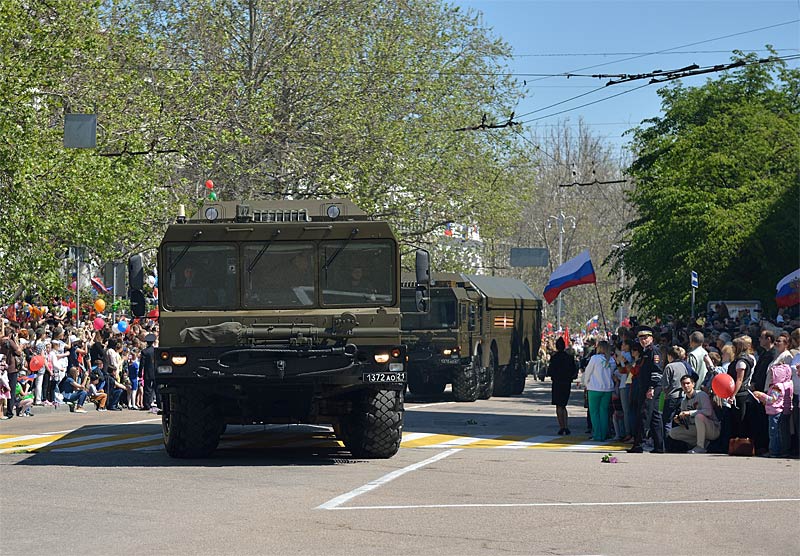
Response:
column 384, row 377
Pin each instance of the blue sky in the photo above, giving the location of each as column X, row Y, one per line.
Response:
column 567, row 35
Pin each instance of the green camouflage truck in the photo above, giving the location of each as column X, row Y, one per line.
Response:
column 480, row 335
column 280, row 312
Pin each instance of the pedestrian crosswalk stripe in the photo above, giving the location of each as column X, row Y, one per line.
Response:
column 292, row 437
column 23, row 443
column 127, row 443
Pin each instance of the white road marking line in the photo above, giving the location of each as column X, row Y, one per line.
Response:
column 156, row 448
column 591, row 445
column 567, row 504
column 73, row 439
column 27, row 437
column 63, row 441
column 25, row 448
column 462, row 440
column 409, row 436
column 133, row 440
column 428, row 405
column 155, row 420
column 528, row 442
column 372, row 485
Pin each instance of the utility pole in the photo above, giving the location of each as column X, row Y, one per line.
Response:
column 559, row 220
column 623, row 307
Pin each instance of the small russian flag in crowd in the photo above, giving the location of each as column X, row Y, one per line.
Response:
column 592, row 322
column 574, row 272
column 98, row 285
column 788, row 290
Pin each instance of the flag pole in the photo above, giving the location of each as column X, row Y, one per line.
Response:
column 605, row 325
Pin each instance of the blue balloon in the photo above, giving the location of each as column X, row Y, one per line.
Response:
column 123, row 326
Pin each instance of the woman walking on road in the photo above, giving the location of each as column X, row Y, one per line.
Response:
column 562, row 371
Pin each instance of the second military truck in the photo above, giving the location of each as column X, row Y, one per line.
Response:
column 480, row 335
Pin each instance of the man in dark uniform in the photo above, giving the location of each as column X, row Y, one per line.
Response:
column 148, row 362
column 645, row 398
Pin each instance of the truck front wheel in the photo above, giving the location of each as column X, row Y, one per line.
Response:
column 190, row 425
column 465, row 384
column 376, row 427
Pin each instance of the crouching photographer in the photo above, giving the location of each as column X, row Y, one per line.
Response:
column 695, row 423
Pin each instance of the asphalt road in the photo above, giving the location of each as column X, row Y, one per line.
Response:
column 484, row 478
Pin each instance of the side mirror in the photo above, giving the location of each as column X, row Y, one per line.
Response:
column 423, row 271
column 135, row 285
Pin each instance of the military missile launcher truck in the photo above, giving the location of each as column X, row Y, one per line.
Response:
column 480, row 335
column 280, row 312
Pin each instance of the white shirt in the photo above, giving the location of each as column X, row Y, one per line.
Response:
column 597, row 375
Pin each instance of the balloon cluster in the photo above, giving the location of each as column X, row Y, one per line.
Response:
column 212, row 195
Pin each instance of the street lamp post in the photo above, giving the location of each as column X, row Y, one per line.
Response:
column 560, row 219
column 623, row 307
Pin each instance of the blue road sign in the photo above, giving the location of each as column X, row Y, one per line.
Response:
column 694, row 279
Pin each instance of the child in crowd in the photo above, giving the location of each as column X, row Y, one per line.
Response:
column 778, row 405
column 25, row 397
column 96, row 394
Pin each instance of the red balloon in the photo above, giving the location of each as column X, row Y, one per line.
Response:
column 99, row 323
column 209, row 184
column 723, row 385
column 37, row 362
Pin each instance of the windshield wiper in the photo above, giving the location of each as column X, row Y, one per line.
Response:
column 329, row 262
column 263, row 250
column 195, row 237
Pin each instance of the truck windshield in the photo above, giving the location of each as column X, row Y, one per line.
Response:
column 203, row 276
column 286, row 274
column 360, row 274
column 283, row 277
column 441, row 315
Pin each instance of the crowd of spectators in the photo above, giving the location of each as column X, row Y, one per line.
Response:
column 661, row 398
column 48, row 358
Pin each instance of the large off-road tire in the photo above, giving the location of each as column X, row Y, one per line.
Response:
column 520, row 374
column 503, row 380
column 486, row 388
column 465, row 384
column 376, row 427
column 190, row 424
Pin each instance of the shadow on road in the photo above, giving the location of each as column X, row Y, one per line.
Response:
column 140, row 444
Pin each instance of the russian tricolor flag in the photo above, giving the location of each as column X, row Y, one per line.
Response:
column 788, row 290
column 98, row 285
column 574, row 272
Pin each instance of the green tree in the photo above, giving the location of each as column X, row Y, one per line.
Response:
column 295, row 99
column 361, row 99
column 55, row 59
column 717, row 190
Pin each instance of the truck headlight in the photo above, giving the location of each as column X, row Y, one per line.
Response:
column 178, row 360
column 381, row 357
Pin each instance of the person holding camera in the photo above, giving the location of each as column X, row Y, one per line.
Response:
column 696, row 422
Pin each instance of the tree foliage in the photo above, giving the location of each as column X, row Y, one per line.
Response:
column 717, row 190
column 290, row 99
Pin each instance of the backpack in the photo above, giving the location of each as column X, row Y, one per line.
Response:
column 62, row 384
